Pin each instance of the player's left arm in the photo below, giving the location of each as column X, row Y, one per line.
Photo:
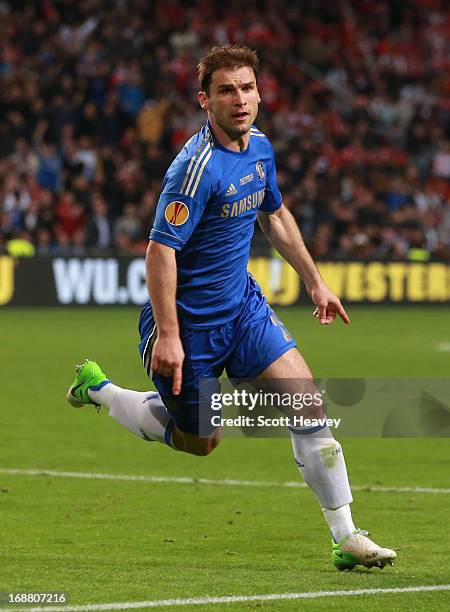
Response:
column 283, row 233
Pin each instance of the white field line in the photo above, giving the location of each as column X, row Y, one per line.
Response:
column 443, row 347
column 195, row 601
column 208, row 481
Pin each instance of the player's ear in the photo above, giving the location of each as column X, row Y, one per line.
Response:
column 203, row 99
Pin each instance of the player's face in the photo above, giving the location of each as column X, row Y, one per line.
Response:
column 233, row 100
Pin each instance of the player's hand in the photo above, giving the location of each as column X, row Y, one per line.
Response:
column 167, row 360
column 328, row 305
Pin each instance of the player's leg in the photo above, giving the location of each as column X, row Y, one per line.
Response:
column 172, row 420
column 193, row 444
column 265, row 350
column 142, row 413
column 318, row 455
column 320, row 459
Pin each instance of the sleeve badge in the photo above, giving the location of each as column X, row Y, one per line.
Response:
column 176, row 213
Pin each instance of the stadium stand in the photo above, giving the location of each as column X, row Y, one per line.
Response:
column 98, row 96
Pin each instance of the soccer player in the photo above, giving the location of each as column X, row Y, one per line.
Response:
column 206, row 312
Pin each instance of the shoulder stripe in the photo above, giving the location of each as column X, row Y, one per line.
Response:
column 198, row 166
column 203, row 144
column 166, row 234
column 255, row 132
column 199, row 176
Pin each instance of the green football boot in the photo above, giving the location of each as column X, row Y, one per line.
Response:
column 89, row 376
column 358, row 549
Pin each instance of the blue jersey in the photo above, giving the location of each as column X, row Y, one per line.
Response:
column 207, row 212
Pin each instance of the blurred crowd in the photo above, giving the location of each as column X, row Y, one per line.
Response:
column 98, row 96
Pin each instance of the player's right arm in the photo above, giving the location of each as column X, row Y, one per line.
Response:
column 187, row 188
column 167, row 353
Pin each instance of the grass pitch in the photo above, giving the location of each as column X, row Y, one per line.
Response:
column 129, row 541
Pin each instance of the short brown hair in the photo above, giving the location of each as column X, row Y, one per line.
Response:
column 228, row 56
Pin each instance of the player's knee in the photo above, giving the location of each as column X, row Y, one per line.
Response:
column 201, row 450
column 205, row 446
column 197, row 446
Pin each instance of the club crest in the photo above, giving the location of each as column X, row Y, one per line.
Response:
column 260, row 170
